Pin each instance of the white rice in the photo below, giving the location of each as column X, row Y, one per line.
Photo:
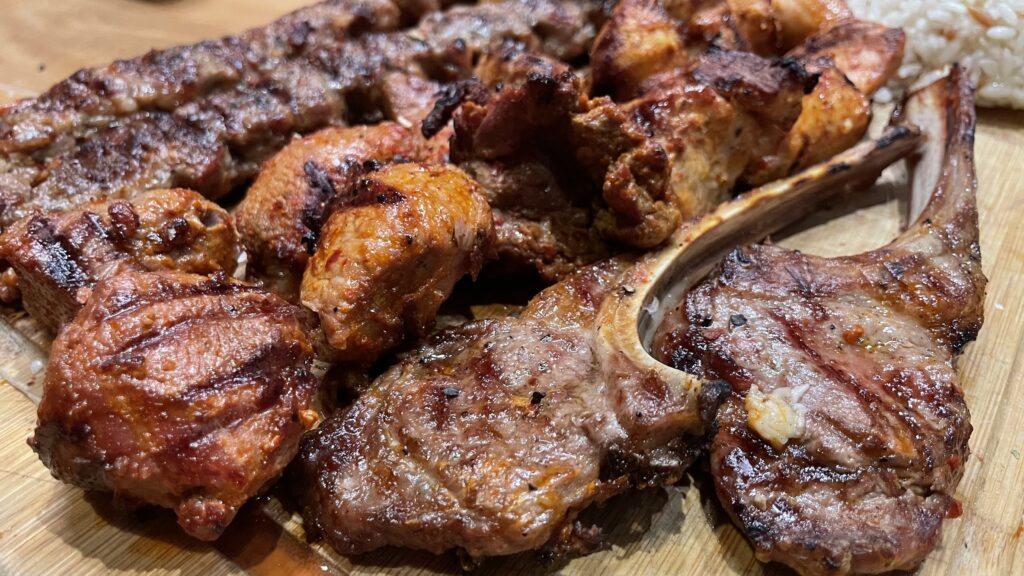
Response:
column 985, row 36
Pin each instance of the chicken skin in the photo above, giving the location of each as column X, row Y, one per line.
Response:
column 58, row 257
column 177, row 390
column 391, row 254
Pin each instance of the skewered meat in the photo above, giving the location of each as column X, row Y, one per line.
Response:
column 391, row 253
column 177, row 390
column 59, row 257
column 846, row 435
column 280, row 217
column 206, row 116
column 492, row 436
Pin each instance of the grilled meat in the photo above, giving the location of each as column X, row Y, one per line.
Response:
column 492, row 436
column 206, row 116
column 718, row 120
column 280, row 217
column 177, row 390
column 514, row 139
column 845, row 438
column 639, row 40
column 391, row 253
column 59, row 257
column 671, row 154
column 853, row 60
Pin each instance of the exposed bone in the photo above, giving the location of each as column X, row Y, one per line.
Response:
column 628, row 320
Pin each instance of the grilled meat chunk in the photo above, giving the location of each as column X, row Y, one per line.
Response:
column 59, row 257
column 717, row 120
column 846, row 434
column 515, row 140
column 639, row 40
column 391, row 253
column 206, row 116
column 177, row 390
column 492, row 436
column 280, row 217
column 671, row 154
column 853, row 59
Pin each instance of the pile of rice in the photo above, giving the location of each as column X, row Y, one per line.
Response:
column 985, row 36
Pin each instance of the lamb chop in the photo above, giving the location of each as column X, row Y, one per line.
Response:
column 206, row 116
column 845, row 437
column 177, row 390
column 492, row 436
column 60, row 257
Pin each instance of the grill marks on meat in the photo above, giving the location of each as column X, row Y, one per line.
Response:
column 846, row 436
column 206, row 116
column 391, row 253
column 177, row 390
column 490, row 437
column 59, row 257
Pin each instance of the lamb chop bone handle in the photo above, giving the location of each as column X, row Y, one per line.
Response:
column 657, row 282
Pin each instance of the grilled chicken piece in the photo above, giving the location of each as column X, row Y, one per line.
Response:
column 669, row 155
column 206, row 116
column 391, row 253
column 846, row 435
column 769, row 27
column 59, row 257
column 719, row 119
column 492, row 436
column 639, row 40
column 177, row 390
column 853, row 60
column 280, row 217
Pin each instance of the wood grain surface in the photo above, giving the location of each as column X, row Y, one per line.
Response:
column 50, row 528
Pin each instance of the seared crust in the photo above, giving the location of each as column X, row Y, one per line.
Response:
column 490, row 437
column 206, row 116
column 59, row 257
column 391, row 253
column 177, row 390
column 280, row 217
column 842, row 446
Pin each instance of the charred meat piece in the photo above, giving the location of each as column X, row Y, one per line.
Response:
column 207, row 116
column 280, row 217
column 846, row 435
column 391, row 253
column 492, row 436
column 671, row 154
column 177, row 390
column 771, row 27
column 853, row 59
column 59, row 257
column 717, row 119
column 515, row 140
column 639, row 40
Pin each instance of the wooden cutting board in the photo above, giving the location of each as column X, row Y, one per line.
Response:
column 50, row 528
